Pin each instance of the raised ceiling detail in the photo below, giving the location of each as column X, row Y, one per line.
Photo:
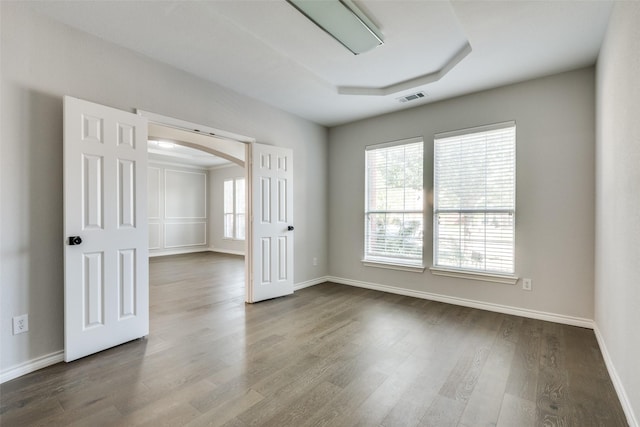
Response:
column 410, row 83
column 265, row 50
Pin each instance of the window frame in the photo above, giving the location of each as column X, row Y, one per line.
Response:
column 394, row 263
column 234, row 211
column 465, row 272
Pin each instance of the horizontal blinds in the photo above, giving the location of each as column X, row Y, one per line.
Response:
column 476, row 171
column 474, row 201
column 395, row 201
column 240, row 196
column 395, row 235
column 228, row 208
column 240, row 209
column 228, row 196
column 475, row 241
column 234, row 208
column 394, row 178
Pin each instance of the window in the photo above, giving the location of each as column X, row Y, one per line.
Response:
column 394, row 207
column 474, row 199
column 234, row 208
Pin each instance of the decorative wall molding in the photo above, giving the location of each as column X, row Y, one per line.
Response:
column 153, row 191
column 189, row 229
column 154, row 236
column 170, row 203
column 505, row 309
column 615, row 379
column 186, row 226
column 31, row 366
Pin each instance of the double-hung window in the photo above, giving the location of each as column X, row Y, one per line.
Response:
column 394, row 206
column 234, row 208
column 475, row 199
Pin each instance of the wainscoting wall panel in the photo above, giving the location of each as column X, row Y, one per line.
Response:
column 185, row 194
column 180, row 235
column 178, row 209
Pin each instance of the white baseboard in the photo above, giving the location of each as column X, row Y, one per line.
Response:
column 615, row 378
column 194, row 250
column 226, row 251
column 178, row 251
column 505, row 309
column 309, row 283
column 31, row 366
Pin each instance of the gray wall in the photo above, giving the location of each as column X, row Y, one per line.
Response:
column 217, row 242
column 41, row 62
column 617, row 278
column 555, row 191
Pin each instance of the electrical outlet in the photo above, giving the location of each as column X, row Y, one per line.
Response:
column 315, row 262
column 526, row 284
column 20, row 324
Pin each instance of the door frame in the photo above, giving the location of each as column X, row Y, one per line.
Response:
column 208, row 131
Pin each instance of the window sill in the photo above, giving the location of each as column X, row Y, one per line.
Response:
column 393, row 266
column 233, row 239
column 506, row 279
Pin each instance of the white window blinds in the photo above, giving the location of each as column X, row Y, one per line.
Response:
column 240, row 209
column 394, row 206
column 228, row 209
column 234, row 208
column 474, row 199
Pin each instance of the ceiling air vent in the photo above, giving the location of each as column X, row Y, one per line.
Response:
column 411, row 97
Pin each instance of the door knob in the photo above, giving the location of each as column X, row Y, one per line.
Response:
column 74, row 240
column 290, row 228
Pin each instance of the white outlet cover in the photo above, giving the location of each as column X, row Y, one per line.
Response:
column 20, row 324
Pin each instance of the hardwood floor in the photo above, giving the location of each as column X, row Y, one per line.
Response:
column 330, row 355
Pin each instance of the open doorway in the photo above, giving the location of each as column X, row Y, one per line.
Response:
column 197, row 195
column 106, row 223
column 268, row 173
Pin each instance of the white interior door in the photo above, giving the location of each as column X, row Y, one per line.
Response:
column 272, row 222
column 106, row 298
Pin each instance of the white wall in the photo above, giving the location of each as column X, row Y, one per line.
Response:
column 555, row 192
column 41, row 62
column 216, row 232
column 178, row 209
column 617, row 269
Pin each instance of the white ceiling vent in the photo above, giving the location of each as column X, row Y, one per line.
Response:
column 411, row 97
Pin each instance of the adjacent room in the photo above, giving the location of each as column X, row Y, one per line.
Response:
column 195, row 199
column 305, row 212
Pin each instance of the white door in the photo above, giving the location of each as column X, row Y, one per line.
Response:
column 272, row 223
column 106, row 289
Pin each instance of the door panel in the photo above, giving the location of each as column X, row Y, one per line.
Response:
column 93, row 288
column 126, row 193
column 271, row 199
column 106, row 275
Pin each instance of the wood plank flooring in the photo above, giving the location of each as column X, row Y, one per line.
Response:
column 330, row 355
